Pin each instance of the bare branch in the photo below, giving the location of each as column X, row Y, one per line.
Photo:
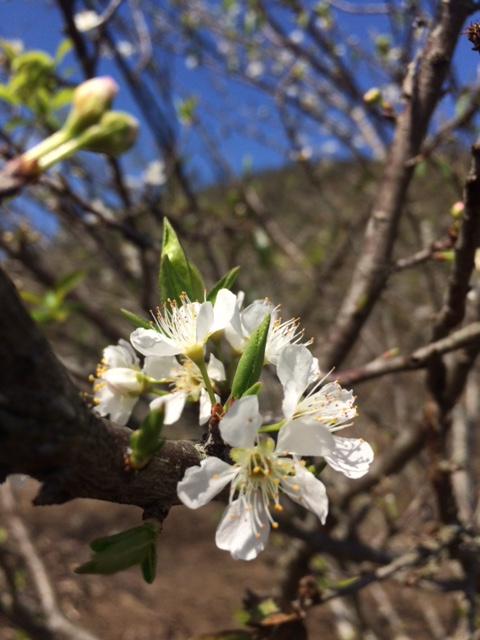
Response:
column 373, row 268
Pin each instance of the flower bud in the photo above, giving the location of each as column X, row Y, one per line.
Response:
column 114, row 134
column 457, row 209
column 91, row 100
column 373, row 96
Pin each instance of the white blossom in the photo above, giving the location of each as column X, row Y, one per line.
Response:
column 186, row 381
column 280, row 334
column 324, row 410
column 118, row 382
column 259, row 474
column 185, row 328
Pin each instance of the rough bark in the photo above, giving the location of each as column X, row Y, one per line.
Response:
column 48, row 432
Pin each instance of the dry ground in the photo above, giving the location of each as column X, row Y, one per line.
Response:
column 198, row 587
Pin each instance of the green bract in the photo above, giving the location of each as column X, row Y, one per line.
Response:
column 252, row 360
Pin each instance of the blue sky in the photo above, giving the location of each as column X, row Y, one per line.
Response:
column 39, row 25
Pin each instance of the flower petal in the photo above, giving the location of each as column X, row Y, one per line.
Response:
column 204, row 322
column 151, row 343
column 173, row 403
column 295, row 364
column 243, row 530
column 200, row 484
column 215, row 369
column 306, row 437
column 120, row 355
column 225, row 311
column 307, row 490
column 239, row 426
column 351, row 456
column 159, row 368
column 118, row 407
column 253, row 315
column 122, row 380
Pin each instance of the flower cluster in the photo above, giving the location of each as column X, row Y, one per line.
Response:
column 185, row 358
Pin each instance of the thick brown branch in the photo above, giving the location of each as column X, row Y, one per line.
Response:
column 48, row 432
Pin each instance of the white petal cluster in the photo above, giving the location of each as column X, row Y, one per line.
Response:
column 184, row 329
column 260, row 473
column 262, row 468
column 281, row 333
column 186, row 381
column 118, row 382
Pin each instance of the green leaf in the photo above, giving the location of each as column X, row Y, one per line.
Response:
column 224, row 283
column 137, row 321
column 146, row 440
column 171, row 285
column 123, row 550
column 68, row 282
column 187, row 276
column 63, row 48
column 62, row 98
column 8, row 95
column 149, row 565
column 251, row 363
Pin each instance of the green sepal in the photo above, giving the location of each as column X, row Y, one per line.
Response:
column 252, row 360
column 146, row 440
column 187, row 277
column 137, row 321
column 224, row 283
column 122, row 551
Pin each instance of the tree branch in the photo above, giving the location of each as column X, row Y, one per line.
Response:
column 373, row 268
column 48, row 432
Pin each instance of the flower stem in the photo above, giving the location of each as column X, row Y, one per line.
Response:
column 208, row 385
column 271, row 428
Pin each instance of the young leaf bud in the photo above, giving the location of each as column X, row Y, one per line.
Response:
column 114, row 134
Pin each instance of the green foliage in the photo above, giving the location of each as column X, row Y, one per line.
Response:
column 52, row 305
column 137, row 321
column 32, row 81
column 251, row 363
column 224, row 283
column 186, row 110
column 124, row 550
column 177, row 273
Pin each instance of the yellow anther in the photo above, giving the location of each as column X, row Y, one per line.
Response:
column 275, row 525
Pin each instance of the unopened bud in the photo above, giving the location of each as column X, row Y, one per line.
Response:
column 114, row 134
column 91, row 100
column 457, row 209
column 373, row 96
